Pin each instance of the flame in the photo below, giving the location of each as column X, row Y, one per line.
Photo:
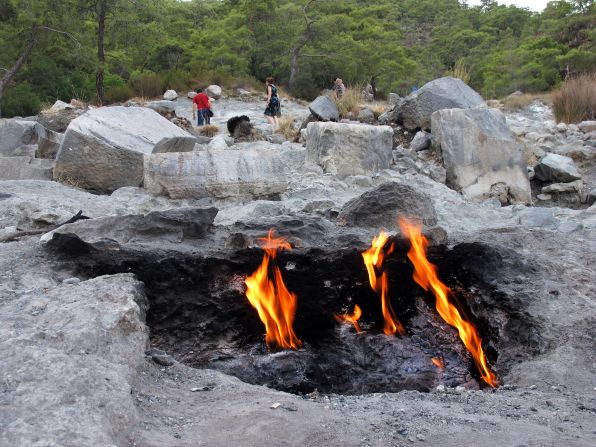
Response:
column 438, row 362
column 353, row 318
column 373, row 257
column 425, row 274
column 274, row 303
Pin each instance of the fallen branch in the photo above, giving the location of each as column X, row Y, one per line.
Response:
column 14, row 236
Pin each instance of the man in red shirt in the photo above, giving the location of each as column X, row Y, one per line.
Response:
column 201, row 106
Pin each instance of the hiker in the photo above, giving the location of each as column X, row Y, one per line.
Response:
column 339, row 88
column 273, row 109
column 202, row 107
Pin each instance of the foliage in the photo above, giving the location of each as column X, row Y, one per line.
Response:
column 147, row 84
column 518, row 102
column 576, row 99
column 349, row 104
column 119, row 93
column 21, row 101
column 160, row 44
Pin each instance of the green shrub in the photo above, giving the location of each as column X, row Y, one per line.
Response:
column 20, row 101
column 147, row 84
column 119, row 93
column 178, row 80
column 576, row 99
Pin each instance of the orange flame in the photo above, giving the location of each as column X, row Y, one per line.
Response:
column 275, row 304
column 438, row 363
column 373, row 257
column 425, row 274
column 353, row 318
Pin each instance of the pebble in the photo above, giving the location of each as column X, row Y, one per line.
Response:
column 71, row 281
column 459, row 389
column 533, row 387
column 163, row 360
column 275, row 405
column 420, row 437
column 441, row 388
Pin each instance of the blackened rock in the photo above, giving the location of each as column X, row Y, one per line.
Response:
column 383, row 205
column 324, row 109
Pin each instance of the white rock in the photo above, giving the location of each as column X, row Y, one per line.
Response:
column 103, row 149
column 170, row 95
column 214, row 91
column 480, row 151
column 556, row 168
column 349, row 149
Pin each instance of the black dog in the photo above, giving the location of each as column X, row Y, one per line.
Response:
column 235, row 121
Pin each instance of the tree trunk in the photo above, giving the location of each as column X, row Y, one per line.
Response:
column 101, row 56
column 19, row 63
column 294, row 68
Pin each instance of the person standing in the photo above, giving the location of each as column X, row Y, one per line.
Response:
column 273, row 109
column 339, row 88
column 201, row 107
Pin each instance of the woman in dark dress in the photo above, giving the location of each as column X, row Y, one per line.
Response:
column 273, row 109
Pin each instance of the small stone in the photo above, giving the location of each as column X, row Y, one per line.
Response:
column 441, row 388
column 162, row 359
column 201, row 388
column 544, row 197
column 420, row 437
column 411, row 439
column 533, row 387
column 71, row 281
column 275, row 405
column 459, row 389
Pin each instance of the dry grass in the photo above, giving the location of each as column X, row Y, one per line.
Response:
column 378, row 109
column 460, row 71
column 518, row 102
column 209, row 130
column 349, row 104
column 575, row 101
column 69, row 181
column 287, row 128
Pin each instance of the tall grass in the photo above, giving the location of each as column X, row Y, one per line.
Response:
column 575, row 101
column 460, row 71
column 209, row 130
column 349, row 104
column 518, row 102
column 287, row 128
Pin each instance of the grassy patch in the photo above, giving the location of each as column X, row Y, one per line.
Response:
column 517, row 102
column 209, row 130
column 287, row 128
column 349, row 104
column 575, row 101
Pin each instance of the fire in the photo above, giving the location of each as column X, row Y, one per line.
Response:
column 373, row 257
column 425, row 274
column 274, row 303
column 353, row 318
column 438, row 363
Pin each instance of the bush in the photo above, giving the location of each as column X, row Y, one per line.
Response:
column 460, row 71
column 147, row 84
column 178, row 80
column 209, row 130
column 20, row 101
column 120, row 93
column 575, row 101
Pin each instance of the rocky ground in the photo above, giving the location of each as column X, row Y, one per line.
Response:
column 77, row 366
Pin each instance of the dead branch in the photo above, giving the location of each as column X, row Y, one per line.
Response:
column 18, row 234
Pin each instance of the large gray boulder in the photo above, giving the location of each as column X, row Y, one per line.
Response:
column 382, row 206
column 58, row 117
column 162, row 106
column 443, row 93
column 172, row 226
column 25, row 168
column 249, row 173
column 556, row 168
column 324, row 109
column 104, row 148
column 349, row 149
column 214, row 91
column 480, row 151
column 15, row 133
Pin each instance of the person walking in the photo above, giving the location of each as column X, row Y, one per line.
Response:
column 273, row 109
column 201, row 107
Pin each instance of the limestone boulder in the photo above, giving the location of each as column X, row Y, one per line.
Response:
column 15, row 133
column 382, row 206
column 349, row 149
column 248, row 173
column 420, row 142
column 163, row 106
column 58, row 117
column 170, row 95
column 324, row 109
column 480, row 151
column 444, row 93
column 26, row 168
column 365, row 115
column 214, row 91
column 104, row 148
column 556, row 168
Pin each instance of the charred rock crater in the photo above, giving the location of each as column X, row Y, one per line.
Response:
column 199, row 314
